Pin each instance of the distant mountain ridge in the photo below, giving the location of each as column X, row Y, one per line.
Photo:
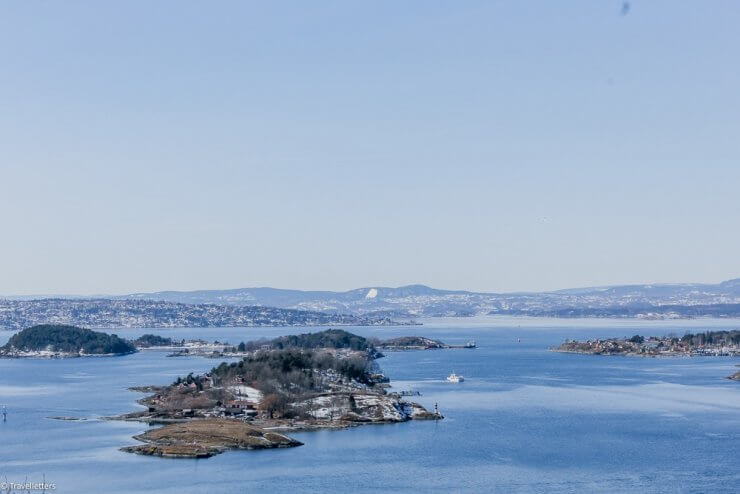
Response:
column 285, row 298
column 664, row 300
column 366, row 306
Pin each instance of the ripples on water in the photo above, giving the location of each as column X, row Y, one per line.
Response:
column 525, row 419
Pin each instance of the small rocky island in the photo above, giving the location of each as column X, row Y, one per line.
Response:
column 60, row 341
column 418, row 343
column 709, row 343
column 205, row 438
column 310, row 381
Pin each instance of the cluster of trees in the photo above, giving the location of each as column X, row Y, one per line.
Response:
column 190, row 379
column 718, row 338
column 150, row 340
column 281, row 375
column 68, row 339
column 273, row 403
column 330, row 338
column 290, row 369
column 199, row 397
column 728, row 338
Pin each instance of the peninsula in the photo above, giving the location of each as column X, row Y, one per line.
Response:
column 323, row 380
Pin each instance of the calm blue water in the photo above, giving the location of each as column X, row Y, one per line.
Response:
column 525, row 420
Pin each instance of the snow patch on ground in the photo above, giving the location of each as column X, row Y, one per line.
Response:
column 368, row 407
column 327, row 407
column 242, row 392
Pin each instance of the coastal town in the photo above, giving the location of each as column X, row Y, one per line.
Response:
column 112, row 314
column 709, row 343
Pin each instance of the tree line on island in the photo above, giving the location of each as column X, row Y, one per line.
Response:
column 65, row 340
column 707, row 338
column 284, row 374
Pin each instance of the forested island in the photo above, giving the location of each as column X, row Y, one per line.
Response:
column 708, row 343
column 63, row 341
column 311, row 381
column 152, row 340
column 57, row 341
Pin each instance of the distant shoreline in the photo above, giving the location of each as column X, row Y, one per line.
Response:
column 424, row 321
column 706, row 344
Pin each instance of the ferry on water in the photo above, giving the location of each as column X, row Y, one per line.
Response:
column 454, row 378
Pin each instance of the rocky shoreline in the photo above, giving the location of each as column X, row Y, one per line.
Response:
column 208, row 434
column 331, row 410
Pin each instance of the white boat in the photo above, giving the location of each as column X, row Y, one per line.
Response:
column 454, row 378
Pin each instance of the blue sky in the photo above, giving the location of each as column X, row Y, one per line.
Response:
column 329, row 145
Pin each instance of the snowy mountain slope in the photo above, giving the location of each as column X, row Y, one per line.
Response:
column 420, row 300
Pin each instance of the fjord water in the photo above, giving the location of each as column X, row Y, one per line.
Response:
column 525, row 420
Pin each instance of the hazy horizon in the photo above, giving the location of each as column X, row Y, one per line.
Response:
column 481, row 146
column 381, row 285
